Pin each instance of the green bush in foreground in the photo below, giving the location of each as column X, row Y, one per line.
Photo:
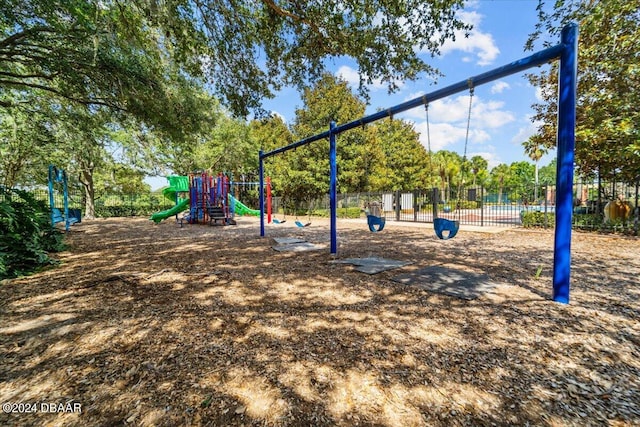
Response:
column 26, row 236
column 532, row 219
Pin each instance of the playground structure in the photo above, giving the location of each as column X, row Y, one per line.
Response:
column 567, row 52
column 66, row 215
column 209, row 200
column 178, row 185
column 269, row 203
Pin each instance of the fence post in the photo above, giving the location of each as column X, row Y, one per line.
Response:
column 636, row 211
column 434, row 202
column 481, row 206
column 546, row 198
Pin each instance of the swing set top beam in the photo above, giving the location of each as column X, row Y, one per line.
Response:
column 539, row 58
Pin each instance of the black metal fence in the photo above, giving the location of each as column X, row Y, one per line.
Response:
column 110, row 205
column 477, row 206
column 598, row 206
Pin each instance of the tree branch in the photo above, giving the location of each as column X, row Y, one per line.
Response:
column 286, row 14
column 61, row 94
column 26, row 76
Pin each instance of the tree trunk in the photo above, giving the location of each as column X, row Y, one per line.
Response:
column 535, row 195
column 86, row 178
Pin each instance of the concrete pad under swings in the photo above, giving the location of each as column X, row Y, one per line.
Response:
column 298, row 247
column 288, row 240
column 373, row 265
column 449, row 281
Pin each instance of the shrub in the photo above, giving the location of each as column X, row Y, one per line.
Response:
column 352, row 212
column 587, row 221
column 26, row 236
column 531, row 219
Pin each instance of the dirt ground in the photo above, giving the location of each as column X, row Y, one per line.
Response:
column 146, row 324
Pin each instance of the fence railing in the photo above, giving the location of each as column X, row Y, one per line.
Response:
column 476, row 205
column 480, row 207
column 110, row 205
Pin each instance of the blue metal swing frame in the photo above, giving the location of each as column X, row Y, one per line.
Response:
column 567, row 52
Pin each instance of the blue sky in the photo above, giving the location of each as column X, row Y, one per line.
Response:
column 500, row 116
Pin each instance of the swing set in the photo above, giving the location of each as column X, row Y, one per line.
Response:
column 440, row 225
column 567, row 52
column 271, row 217
column 66, row 215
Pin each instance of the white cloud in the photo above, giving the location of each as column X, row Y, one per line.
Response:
column 350, row 75
column 448, row 120
column 525, row 132
column 480, row 44
column 441, row 135
column 539, row 94
column 492, row 158
column 277, row 114
column 499, row 87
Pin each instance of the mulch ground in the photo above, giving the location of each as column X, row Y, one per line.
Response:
column 146, row 325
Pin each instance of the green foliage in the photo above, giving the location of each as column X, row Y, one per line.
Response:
column 405, row 162
column 349, row 212
column 122, row 205
column 344, row 212
column 26, row 236
column 120, row 53
column 587, row 221
column 536, row 219
column 608, row 116
column 385, row 155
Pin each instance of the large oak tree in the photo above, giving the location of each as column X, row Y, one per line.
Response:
column 116, row 52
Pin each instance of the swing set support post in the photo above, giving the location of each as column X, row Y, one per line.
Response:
column 333, row 188
column 567, row 82
column 261, row 192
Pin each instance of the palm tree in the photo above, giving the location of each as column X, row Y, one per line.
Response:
column 499, row 176
column 478, row 164
column 535, row 150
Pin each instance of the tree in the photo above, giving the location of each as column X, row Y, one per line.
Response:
column 329, row 100
column 107, row 54
column 25, row 138
column 521, row 176
column 406, row 162
column 115, row 52
column 449, row 167
column 499, row 178
column 548, row 173
column 535, row 149
column 478, row 167
column 608, row 116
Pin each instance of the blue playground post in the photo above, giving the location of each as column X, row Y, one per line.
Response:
column 59, row 175
column 566, row 144
column 261, row 193
column 333, row 187
column 567, row 52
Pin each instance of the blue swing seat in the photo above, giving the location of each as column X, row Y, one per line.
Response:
column 277, row 221
column 299, row 224
column 376, row 223
column 75, row 216
column 442, row 224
